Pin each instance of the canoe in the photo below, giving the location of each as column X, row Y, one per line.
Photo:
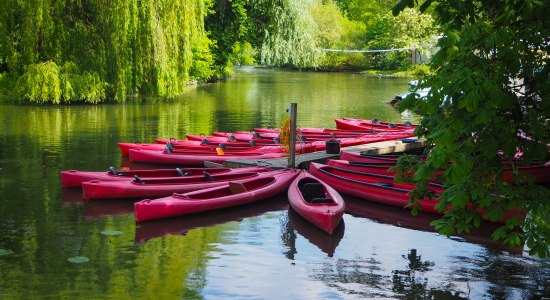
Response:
column 186, row 146
column 374, row 168
column 316, row 201
column 247, row 135
column 366, row 158
column 160, row 157
column 358, row 124
column 232, row 193
column 231, row 138
column 383, row 189
column 204, row 142
column 540, row 172
column 373, row 187
column 75, row 178
column 157, row 187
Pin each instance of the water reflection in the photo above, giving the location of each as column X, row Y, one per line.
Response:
column 410, row 282
column 221, row 257
column 403, row 218
column 181, row 225
column 325, row 242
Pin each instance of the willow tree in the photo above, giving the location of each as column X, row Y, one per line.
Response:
column 115, row 48
column 290, row 36
column 488, row 110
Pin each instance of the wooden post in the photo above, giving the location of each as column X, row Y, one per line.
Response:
column 292, row 109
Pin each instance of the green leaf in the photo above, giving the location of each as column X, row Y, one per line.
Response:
column 482, row 117
column 79, row 260
column 459, row 200
column 455, row 173
column 499, row 234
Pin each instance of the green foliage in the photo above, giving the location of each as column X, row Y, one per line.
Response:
column 491, row 81
column 290, row 39
column 243, row 53
column 119, row 47
column 47, row 83
column 40, row 83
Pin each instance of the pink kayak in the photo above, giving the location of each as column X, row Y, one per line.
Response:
column 233, row 193
column 374, row 187
column 74, row 178
column 187, row 146
column 373, row 168
column 157, row 187
column 160, row 157
column 358, row 124
column 316, row 201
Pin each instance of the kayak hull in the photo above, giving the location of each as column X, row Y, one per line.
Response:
column 159, row 187
column 316, row 202
column 238, row 192
column 75, row 178
column 160, row 157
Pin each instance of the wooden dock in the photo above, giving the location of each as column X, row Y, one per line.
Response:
column 303, row 160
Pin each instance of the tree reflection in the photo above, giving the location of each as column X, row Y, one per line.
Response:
column 411, row 284
column 288, row 236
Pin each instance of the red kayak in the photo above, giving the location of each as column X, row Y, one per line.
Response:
column 374, row 187
column 316, row 201
column 373, row 168
column 359, row 124
column 189, row 146
column 157, row 187
column 243, row 137
column 382, row 189
column 368, row 158
column 540, row 172
column 75, row 178
column 235, row 192
column 190, row 159
column 203, row 142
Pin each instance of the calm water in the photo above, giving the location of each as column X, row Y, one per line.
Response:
column 260, row 251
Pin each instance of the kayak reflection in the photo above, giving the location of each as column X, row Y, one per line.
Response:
column 181, row 225
column 324, row 241
column 402, row 218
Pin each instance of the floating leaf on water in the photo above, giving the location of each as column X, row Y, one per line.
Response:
column 79, row 259
column 111, row 232
column 5, row 252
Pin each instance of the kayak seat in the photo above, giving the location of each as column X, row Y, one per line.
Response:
column 312, row 190
column 207, row 176
column 237, row 188
column 386, row 184
column 321, row 200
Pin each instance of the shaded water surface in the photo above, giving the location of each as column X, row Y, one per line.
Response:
column 259, row 251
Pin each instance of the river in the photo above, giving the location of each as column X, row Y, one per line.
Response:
column 259, row 251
